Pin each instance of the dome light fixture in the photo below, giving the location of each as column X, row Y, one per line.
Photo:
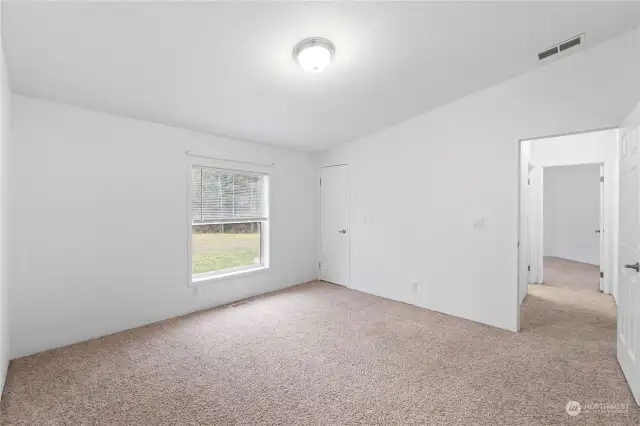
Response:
column 314, row 54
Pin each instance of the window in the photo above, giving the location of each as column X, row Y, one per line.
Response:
column 228, row 222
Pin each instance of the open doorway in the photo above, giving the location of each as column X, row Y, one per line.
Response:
column 569, row 237
column 568, row 256
column 573, row 227
column 569, row 210
column 558, row 296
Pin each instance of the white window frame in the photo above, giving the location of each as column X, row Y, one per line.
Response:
column 205, row 277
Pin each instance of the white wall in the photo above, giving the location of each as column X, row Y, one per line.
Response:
column 572, row 212
column 100, row 223
column 447, row 167
column 5, row 96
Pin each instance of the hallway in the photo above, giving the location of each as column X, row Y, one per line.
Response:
column 561, row 273
column 569, row 298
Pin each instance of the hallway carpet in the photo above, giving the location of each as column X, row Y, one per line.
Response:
column 322, row 354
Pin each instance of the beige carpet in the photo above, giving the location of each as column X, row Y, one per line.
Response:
column 322, row 354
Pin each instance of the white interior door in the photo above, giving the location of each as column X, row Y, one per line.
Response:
column 536, row 225
column 600, row 231
column 523, row 240
column 527, row 219
column 334, row 225
column 629, row 254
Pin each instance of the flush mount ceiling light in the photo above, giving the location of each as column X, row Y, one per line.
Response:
column 314, row 54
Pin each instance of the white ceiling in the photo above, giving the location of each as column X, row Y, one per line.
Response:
column 226, row 68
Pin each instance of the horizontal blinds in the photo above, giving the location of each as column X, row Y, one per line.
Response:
column 225, row 196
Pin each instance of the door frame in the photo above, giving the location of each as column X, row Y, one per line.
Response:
column 526, row 247
column 536, row 235
column 319, row 199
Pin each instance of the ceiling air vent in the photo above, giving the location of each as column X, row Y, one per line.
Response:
column 561, row 47
column 570, row 43
column 548, row 53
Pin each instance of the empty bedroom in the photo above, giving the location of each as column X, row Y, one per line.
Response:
column 329, row 213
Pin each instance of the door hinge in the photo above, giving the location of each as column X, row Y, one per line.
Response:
column 529, row 181
column 529, row 267
column 320, row 181
column 319, row 264
column 601, row 274
column 601, row 179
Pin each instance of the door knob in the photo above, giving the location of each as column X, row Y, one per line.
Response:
column 597, row 231
column 635, row 266
column 343, row 231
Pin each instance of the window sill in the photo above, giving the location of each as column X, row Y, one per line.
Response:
column 229, row 274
